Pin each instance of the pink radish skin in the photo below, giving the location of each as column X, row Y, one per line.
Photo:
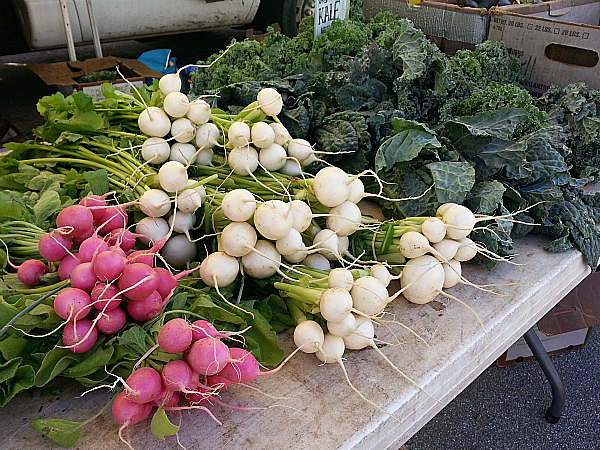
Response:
column 72, row 304
column 77, row 219
column 172, row 398
column 207, row 356
column 144, row 310
column 242, row 368
column 128, row 413
column 167, row 283
column 141, row 256
column 177, row 375
column 144, row 385
column 91, row 247
column 196, row 399
column 112, row 321
column 30, row 271
column 122, row 237
column 175, row 336
column 218, row 382
column 202, row 329
column 96, row 204
column 77, row 240
column 113, row 217
column 108, row 265
column 54, row 246
column 74, row 335
column 139, row 281
column 67, row 264
column 105, row 297
column 84, row 277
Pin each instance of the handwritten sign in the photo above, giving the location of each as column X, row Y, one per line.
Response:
column 327, row 11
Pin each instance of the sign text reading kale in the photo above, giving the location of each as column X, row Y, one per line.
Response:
column 327, row 11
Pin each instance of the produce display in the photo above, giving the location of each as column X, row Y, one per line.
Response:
column 157, row 243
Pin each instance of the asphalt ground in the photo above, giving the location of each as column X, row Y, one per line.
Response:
column 503, row 409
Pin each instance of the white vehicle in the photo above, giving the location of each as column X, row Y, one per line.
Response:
column 43, row 23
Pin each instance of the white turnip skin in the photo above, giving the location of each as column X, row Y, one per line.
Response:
column 299, row 149
column 290, row 244
column 291, row 168
column 66, row 266
column 72, row 304
column 91, row 247
column 422, row 279
column 238, row 238
column 105, row 297
column 80, row 336
column 30, row 271
column 344, row 327
column 76, row 220
column 175, row 336
column 326, row 242
column 340, row 278
column 262, row 135
column 109, row 265
column 282, row 135
column 183, row 130
column 452, row 273
column 154, row 122
column 433, row 229
column 204, row 157
column 317, row 261
column 128, row 413
column 168, row 83
column 198, row 112
column 369, row 295
column 143, row 385
column 155, row 150
column 344, row 219
column 207, row 136
column 466, row 251
column 335, row 304
column 243, row 160
column 331, row 186
column 446, row 248
column 151, row 230
column 298, row 257
column 302, row 215
column 172, row 176
column 219, row 269
column 179, row 251
column 459, row 221
column 239, row 134
column 273, row 157
column 110, row 322
column 362, row 336
column 155, row 203
column 146, row 309
column 138, row 281
column 181, row 222
column 239, row 205
column 332, row 349
column 183, row 152
column 207, row 356
column 176, row 104
column 273, row 219
column 83, row 277
column 309, row 336
column 356, row 191
column 269, row 101
column 263, row 261
column 382, row 273
column 189, row 200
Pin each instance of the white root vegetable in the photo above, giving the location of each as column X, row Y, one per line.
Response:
column 269, row 101
column 422, row 279
column 344, row 219
column 356, row 191
column 239, row 134
column 219, row 269
column 298, row 257
column 243, row 160
column 316, row 261
column 183, row 152
column 291, row 168
column 340, row 278
column 452, row 273
column 433, row 229
column 273, row 219
column 466, row 251
column 299, row 149
column 282, row 135
column 155, row 203
column 198, row 112
column 189, row 200
column 344, row 327
column 273, row 157
column 332, row 349
column 263, row 261
column 335, row 304
column 204, row 157
column 382, row 273
column 459, row 221
column 447, row 249
column 238, row 238
column 239, row 205
column 302, row 215
column 153, row 121
column 172, row 176
column 331, row 186
column 178, row 251
column 363, row 335
column 176, row 104
column 369, row 295
column 169, row 83
column 183, row 130
column 309, row 336
column 155, row 150
column 290, row 243
column 153, row 229
column 182, row 222
column 327, row 243
column 207, row 136
column 262, row 135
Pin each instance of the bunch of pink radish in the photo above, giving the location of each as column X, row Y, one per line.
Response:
column 110, row 282
column 207, row 366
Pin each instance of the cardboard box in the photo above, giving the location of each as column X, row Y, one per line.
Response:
column 553, row 52
column 566, row 327
column 64, row 74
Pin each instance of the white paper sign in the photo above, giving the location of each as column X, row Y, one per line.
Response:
column 327, row 11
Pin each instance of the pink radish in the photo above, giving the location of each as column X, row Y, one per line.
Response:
column 72, row 304
column 77, row 240
column 207, row 356
column 138, row 281
column 167, row 282
column 121, row 237
column 80, row 336
column 83, row 277
column 202, row 329
column 175, row 336
column 30, row 271
column 67, row 264
column 128, row 413
column 54, row 246
column 109, row 265
column 242, row 368
column 91, row 247
column 177, row 375
column 172, row 398
column 105, row 296
column 95, row 203
column 113, row 217
column 110, row 322
column 143, row 385
column 76, row 220
column 147, row 309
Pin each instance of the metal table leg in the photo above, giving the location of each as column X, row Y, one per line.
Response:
column 554, row 412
